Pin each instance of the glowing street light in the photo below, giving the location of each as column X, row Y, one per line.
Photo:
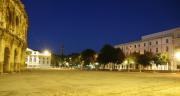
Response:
column 177, row 56
column 47, row 53
column 132, row 62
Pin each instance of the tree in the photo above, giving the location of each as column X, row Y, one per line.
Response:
column 108, row 54
column 55, row 60
column 161, row 58
column 132, row 59
column 145, row 59
column 74, row 59
column 88, row 56
column 120, row 56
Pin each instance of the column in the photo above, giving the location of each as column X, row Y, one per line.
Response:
column 2, row 56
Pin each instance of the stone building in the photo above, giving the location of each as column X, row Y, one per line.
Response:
column 13, row 31
column 161, row 42
column 36, row 59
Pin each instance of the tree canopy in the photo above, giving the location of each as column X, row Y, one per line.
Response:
column 88, row 56
column 109, row 54
column 161, row 58
column 74, row 59
column 145, row 59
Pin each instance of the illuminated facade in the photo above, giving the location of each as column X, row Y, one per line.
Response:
column 36, row 59
column 162, row 42
column 13, row 31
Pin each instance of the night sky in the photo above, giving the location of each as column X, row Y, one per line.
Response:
column 81, row 24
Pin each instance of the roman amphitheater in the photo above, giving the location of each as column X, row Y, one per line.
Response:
column 13, row 31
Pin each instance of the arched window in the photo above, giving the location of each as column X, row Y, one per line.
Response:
column 17, row 21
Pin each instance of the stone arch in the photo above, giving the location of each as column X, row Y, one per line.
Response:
column 6, row 62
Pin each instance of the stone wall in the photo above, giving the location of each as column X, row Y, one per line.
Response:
column 13, row 31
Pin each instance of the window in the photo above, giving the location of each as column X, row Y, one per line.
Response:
column 178, row 36
column 139, row 45
column 29, row 52
column 156, row 50
column 134, row 46
column 26, row 59
column 144, row 44
column 30, row 60
column 167, row 40
column 150, row 43
column 17, row 20
column 34, row 59
column 156, row 42
column 167, row 49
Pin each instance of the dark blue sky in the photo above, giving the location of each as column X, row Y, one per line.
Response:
column 81, row 24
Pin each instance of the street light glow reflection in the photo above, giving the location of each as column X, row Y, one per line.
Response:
column 47, row 53
column 177, row 55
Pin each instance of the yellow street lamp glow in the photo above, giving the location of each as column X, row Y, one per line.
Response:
column 177, row 55
column 125, row 62
column 132, row 62
column 47, row 53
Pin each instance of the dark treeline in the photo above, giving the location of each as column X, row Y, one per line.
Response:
column 90, row 59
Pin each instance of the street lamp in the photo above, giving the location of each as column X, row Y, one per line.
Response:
column 47, row 53
column 126, row 62
column 177, row 56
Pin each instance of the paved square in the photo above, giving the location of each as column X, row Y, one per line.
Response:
column 89, row 83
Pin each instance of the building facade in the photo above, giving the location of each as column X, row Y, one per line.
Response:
column 36, row 59
column 162, row 42
column 13, row 31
